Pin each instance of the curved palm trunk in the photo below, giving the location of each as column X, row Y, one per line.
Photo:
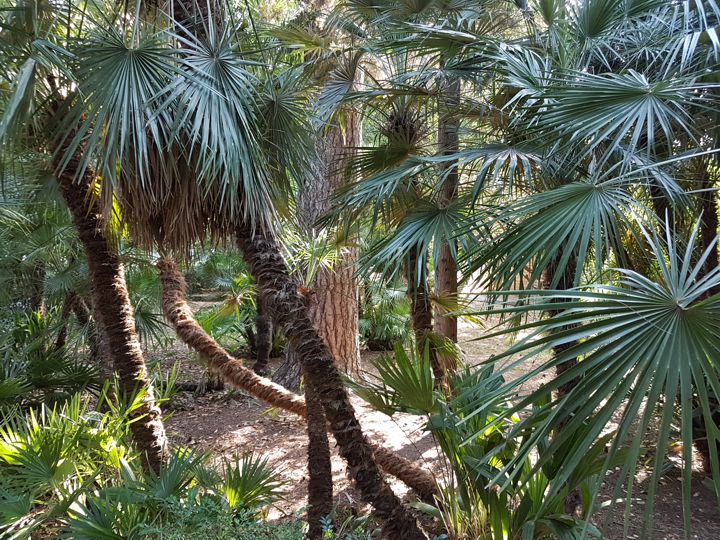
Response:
column 289, row 311
column 115, row 313
column 266, row 261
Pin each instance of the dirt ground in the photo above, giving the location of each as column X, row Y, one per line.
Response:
column 231, row 423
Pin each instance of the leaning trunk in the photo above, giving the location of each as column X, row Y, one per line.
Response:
column 114, row 311
column 290, row 313
column 320, row 486
column 180, row 316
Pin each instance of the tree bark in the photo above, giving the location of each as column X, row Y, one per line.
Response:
column 114, row 311
column 320, row 485
column 37, row 288
column 566, row 282
column 708, row 234
column 67, row 309
column 421, row 310
column 290, row 313
column 446, row 281
column 333, row 298
column 263, row 338
column 180, row 316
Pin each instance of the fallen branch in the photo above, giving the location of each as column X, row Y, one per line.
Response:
column 180, row 316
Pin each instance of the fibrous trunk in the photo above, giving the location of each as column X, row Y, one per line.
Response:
column 320, row 486
column 114, row 312
column 180, row 316
column 290, row 313
column 263, row 337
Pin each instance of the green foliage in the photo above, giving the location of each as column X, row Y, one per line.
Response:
column 384, row 316
column 490, row 492
column 34, row 370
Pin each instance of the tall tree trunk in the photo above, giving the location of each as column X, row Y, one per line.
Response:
column 333, row 298
column 67, row 309
column 446, row 281
column 290, row 313
column 421, row 311
column 114, row 311
column 180, row 316
column 566, row 282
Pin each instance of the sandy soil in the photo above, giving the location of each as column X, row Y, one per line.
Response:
column 232, row 423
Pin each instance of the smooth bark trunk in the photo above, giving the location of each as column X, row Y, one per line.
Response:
column 115, row 312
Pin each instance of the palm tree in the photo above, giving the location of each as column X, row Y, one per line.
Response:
column 192, row 142
column 32, row 39
column 600, row 123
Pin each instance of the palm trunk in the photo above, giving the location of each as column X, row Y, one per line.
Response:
column 421, row 311
column 290, row 313
column 180, row 316
column 67, row 309
column 115, row 312
column 566, row 282
column 263, row 338
column 37, row 294
column 446, row 281
column 320, row 485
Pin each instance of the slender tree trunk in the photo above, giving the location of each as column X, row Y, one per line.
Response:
column 708, row 233
column 446, row 281
column 566, row 282
column 67, row 309
column 421, row 311
column 180, row 316
column 320, row 485
column 115, row 312
column 291, row 314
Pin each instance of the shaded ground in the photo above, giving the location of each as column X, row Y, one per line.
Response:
column 232, row 423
